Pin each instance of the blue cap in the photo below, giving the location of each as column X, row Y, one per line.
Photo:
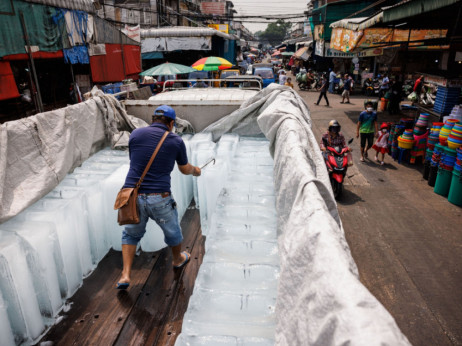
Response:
column 166, row 111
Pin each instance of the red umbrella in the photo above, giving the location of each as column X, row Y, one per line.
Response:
column 276, row 53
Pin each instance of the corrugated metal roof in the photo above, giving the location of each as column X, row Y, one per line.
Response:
column 185, row 31
column 81, row 5
column 106, row 32
column 409, row 8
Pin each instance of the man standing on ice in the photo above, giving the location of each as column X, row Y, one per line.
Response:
column 154, row 199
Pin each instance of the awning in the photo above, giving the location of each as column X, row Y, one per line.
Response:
column 8, row 88
column 35, row 55
column 402, row 10
column 152, row 55
column 302, row 53
column 358, row 23
column 409, row 8
column 347, row 40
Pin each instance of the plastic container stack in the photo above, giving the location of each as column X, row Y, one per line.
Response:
column 446, row 131
column 406, row 140
column 434, row 163
column 446, row 166
column 455, row 191
column 446, row 99
column 455, row 137
column 433, row 138
column 421, row 125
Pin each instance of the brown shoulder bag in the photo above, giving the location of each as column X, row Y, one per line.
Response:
column 126, row 198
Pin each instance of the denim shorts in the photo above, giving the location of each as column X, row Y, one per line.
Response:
column 163, row 211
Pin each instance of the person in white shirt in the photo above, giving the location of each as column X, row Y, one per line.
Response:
column 282, row 78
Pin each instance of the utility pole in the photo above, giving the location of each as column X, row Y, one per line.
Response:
column 31, row 59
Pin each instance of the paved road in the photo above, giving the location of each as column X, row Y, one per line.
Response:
column 405, row 239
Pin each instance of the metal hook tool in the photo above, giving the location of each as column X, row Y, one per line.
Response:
column 210, row 160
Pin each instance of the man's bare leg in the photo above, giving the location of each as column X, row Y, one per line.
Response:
column 128, row 254
column 178, row 257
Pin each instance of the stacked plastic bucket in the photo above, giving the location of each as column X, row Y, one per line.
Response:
column 446, row 166
column 455, row 190
column 406, row 140
column 433, row 138
column 446, row 130
column 455, row 137
column 421, row 125
column 434, row 163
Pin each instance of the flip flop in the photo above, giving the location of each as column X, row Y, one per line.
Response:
column 122, row 285
column 188, row 256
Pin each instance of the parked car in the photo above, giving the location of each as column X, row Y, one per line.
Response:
column 230, row 72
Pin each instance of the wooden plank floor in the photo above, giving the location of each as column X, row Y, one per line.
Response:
column 150, row 312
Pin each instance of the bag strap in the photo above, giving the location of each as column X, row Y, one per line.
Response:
column 138, row 184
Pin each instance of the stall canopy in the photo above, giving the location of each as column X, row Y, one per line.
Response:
column 401, row 10
column 347, row 40
column 8, row 88
column 302, row 53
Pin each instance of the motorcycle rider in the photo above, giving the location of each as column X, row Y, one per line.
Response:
column 332, row 138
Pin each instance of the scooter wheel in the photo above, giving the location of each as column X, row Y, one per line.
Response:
column 337, row 188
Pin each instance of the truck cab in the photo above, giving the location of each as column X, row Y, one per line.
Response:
column 265, row 72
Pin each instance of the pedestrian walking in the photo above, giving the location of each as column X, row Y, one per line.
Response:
column 367, row 128
column 332, row 77
column 381, row 145
column 346, row 89
column 323, row 92
column 155, row 200
column 282, row 77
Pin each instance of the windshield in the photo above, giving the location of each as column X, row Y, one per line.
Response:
column 225, row 74
column 199, row 74
column 265, row 74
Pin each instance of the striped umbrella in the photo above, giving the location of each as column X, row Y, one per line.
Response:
column 212, row 63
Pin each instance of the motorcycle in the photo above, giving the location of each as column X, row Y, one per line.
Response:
column 368, row 88
column 337, row 163
column 376, row 85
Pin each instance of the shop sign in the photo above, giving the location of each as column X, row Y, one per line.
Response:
column 436, row 80
column 334, row 53
column 370, row 52
column 319, row 32
column 209, row 7
column 319, row 48
column 307, row 29
column 219, row 27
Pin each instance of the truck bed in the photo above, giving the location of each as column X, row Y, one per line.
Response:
column 150, row 312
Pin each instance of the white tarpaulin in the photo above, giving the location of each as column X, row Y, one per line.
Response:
column 320, row 298
column 37, row 152
column 169, row 44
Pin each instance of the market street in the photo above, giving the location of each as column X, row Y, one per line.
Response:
column 406, row 240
